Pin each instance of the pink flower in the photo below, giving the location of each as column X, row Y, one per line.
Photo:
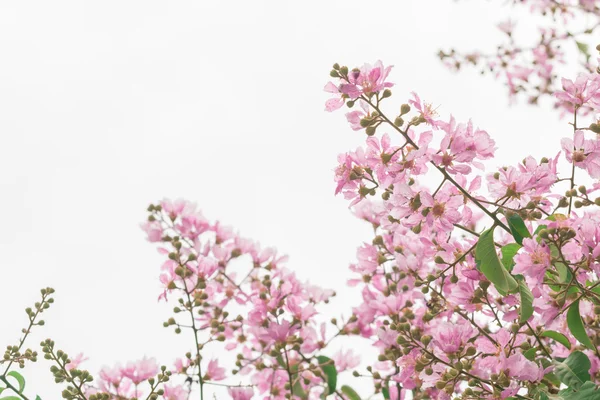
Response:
column 214, row 372
column 507, row 27
column 175, row 393
column 461, row 146
column 443, row 210
column 585, row 89
column 345, row 360
column 181, row 365
column 426, row 110
column 354, row 117
column 366, row 80
column 335, row 103
column 74, row 362
column 238, row 393
column 584, row 153
column 452, row 337
column 140, row 370
column 154, row 230
column 532, row 261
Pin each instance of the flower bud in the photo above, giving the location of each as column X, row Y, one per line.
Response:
column 484, row 284
column 404, row 109
column 595, row 128
column 426, row 340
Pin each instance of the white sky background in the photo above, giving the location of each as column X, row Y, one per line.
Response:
column 108, row 106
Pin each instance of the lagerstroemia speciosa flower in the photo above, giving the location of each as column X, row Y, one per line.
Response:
column 475, row 285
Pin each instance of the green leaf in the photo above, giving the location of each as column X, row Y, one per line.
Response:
column 574, row 371
column 19, row 379
column 588, row 391
column 576, row 326
column 530, row 354
column 518, row 228
column 526, row 309
column 559, row 337
column 386, row 393
column 38, row 398
column 350, row 393
column 328, row 367
column 552, row 378
column 584, row 49
column 491, row 266
column 508, row 254
column 10, row 398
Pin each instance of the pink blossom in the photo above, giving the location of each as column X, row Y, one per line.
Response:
column 345, row 360
column 74, row 362
column 368, row 80
column 354, row 117
column 585, row 89
column 214, row 372
column 335, row 103
column 452, row 337
column 141, row 370
column 154, row 230
column 427, row 112
column 532, row 261
column 175, row 393
column 238, row 393
column 584, row 153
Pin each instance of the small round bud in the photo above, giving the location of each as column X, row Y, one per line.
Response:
column 595, row 128
column 426, row 339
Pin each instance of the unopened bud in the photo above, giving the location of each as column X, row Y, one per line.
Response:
column 595, row 128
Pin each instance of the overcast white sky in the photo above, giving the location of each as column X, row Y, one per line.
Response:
column 108, row 106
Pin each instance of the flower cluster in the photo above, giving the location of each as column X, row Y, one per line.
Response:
column 232, row 293
column 475, row 284
column 472, row 290
column 532, row 70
